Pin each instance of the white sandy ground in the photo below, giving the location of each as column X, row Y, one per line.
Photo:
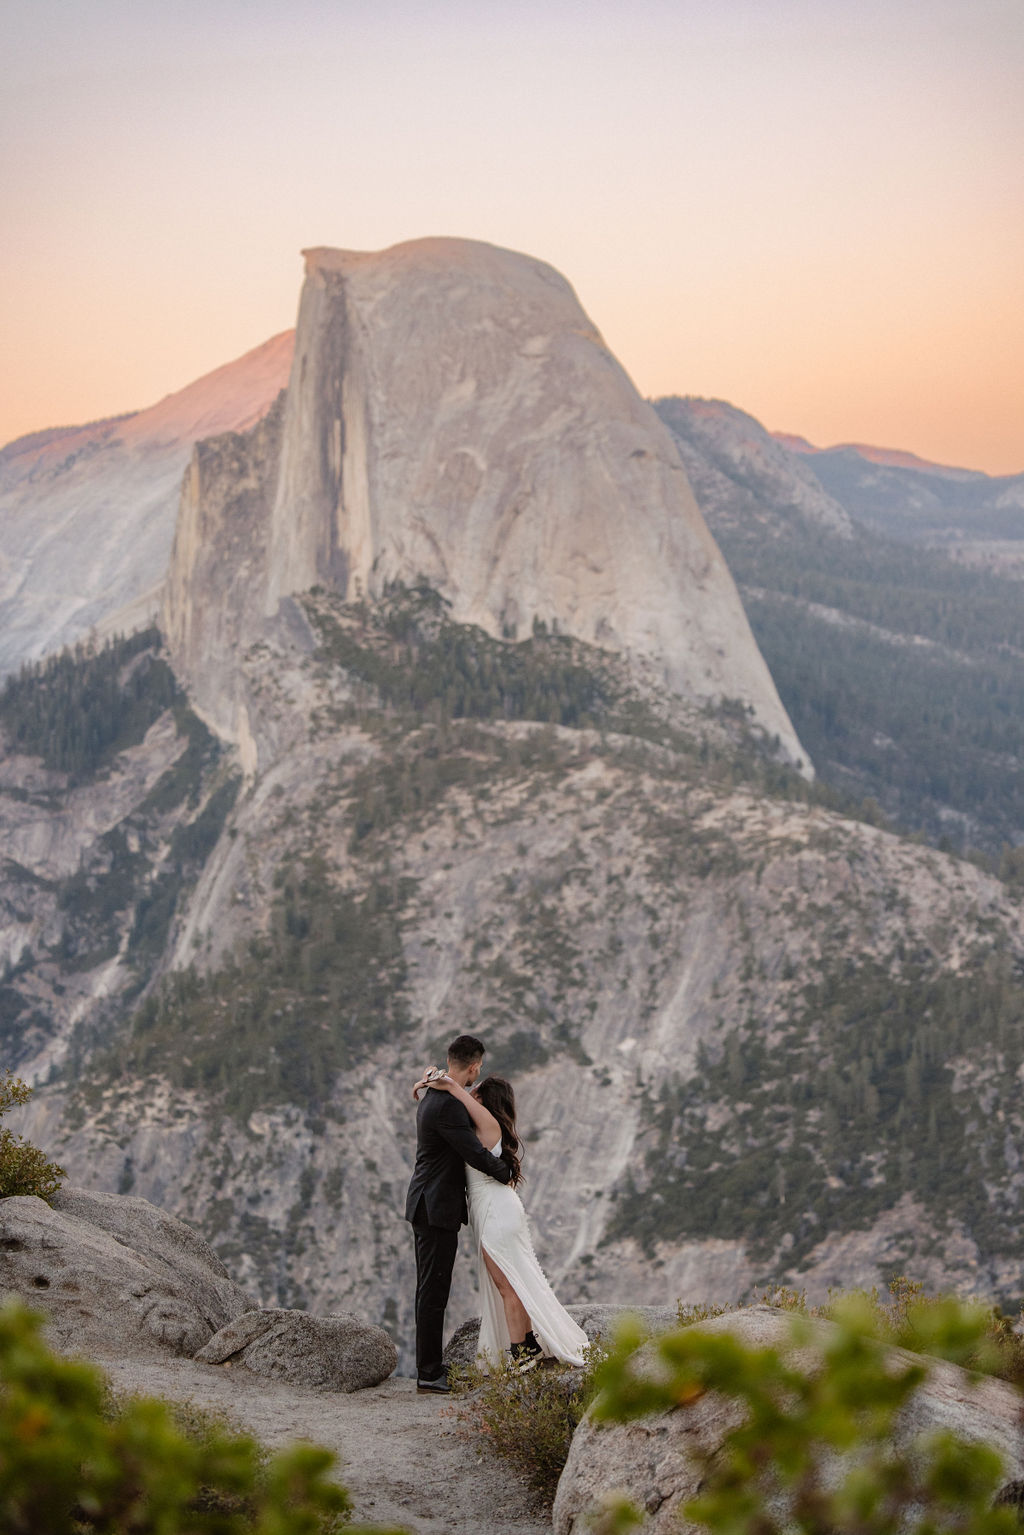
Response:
column 401, row 1455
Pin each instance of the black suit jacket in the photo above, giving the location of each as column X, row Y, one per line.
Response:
column 445, row 1142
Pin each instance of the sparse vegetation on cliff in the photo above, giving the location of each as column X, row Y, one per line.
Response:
column 115, row 899
column 415, row 657
column 422, row 670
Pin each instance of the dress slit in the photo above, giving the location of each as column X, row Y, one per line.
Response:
column 498, row 1223
column 485, row 1254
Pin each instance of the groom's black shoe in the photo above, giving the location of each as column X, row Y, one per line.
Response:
column 439, row 1387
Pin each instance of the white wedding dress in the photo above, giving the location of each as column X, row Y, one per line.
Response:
column 497, row 1221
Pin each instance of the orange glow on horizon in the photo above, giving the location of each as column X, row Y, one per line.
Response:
column 812, row 213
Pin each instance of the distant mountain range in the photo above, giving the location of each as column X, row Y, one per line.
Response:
column 894, row 458
column 976, row 518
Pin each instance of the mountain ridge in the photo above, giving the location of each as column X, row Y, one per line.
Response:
column 607, row 911
column 892, row 458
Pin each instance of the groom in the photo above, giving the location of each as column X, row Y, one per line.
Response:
column 436, row 1203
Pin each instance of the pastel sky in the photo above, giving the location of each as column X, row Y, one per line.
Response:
column 811, row 208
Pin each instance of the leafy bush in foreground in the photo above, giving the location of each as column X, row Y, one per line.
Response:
column 777, row 1470
column 23, row 1167
column 906, row 1318
column 69, row 1465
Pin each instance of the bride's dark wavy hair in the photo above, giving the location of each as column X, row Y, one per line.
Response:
column 497, row 1097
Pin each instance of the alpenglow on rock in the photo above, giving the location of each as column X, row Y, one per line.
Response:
column 87, row 513
column 454, row 417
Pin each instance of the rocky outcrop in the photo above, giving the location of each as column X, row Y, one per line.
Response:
column 217, row 569
column 333, row 1353
column 115, row 1274
column 454, row 417
column 656, row 1461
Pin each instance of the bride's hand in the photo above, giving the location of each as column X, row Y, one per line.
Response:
column 443, row 1083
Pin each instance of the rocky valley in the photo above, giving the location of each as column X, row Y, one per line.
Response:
column 453, row 719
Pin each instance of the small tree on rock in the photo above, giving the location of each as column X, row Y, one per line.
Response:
column 23, row 1167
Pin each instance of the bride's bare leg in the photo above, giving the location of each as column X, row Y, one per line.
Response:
column 517, row 1318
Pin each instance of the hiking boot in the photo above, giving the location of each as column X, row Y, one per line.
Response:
column 526, row 1355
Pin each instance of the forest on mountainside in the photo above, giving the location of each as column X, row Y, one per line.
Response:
column 889, row 1078
column 77, row 709
column 902, row 671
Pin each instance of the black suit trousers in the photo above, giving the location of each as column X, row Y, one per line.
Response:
column 435, row 1259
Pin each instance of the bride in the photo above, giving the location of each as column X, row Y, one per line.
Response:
column 522, row 1319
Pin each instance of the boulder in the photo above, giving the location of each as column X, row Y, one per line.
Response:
column 597, row 1321
column 114, row 1274
column 600, row 1321
column 334, row 1353
column 460, row 1350
column 656, row 1461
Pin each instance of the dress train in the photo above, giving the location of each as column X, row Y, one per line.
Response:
column 498, row 1224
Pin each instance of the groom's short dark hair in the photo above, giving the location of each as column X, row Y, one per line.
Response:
column 465, row 1050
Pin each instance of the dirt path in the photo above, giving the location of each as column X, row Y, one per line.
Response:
column 401, row 1456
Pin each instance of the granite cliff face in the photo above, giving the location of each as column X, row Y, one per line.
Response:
column 453, row 418
column 87, row 513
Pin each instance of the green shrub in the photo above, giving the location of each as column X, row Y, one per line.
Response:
column 74, row 1463
column 777, row 1470
column 528, row 1420
column 23, row 1167
column 904, row 1317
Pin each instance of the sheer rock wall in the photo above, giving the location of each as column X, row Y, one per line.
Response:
column 453, row 416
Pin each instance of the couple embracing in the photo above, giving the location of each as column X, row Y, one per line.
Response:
column 467, row 1168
